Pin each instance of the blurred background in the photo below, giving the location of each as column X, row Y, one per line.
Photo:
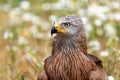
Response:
column 25, row 39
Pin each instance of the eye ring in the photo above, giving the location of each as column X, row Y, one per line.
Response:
column 66, row 24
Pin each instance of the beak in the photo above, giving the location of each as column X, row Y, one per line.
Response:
column 57, row 29
column 53, row 30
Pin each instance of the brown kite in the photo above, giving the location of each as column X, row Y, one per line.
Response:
column 69, row 59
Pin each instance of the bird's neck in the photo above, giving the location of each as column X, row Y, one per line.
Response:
column 70, row 43
column 72, row 50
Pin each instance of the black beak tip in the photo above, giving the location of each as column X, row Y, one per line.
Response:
column 53, row 30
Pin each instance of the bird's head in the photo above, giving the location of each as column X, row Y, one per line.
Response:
column 69, row 25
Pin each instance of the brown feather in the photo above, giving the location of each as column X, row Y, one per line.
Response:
column 96, row 60
column 42, row 76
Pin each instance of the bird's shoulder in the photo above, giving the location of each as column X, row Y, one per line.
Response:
column 95, row 59
column 42, row 76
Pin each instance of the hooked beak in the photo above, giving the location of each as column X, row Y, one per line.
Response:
column 57, row 29
column 53, row 30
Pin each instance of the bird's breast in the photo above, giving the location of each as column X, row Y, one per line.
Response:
column 67, row 67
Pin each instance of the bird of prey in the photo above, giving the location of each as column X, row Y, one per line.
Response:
column 69, row 59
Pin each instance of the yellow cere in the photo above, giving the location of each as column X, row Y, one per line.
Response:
column 59, row 28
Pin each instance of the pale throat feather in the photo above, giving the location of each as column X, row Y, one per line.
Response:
column 69, row 43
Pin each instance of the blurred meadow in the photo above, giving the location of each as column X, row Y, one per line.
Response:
column 25, row 39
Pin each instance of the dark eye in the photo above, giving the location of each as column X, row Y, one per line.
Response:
column 66, row 25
